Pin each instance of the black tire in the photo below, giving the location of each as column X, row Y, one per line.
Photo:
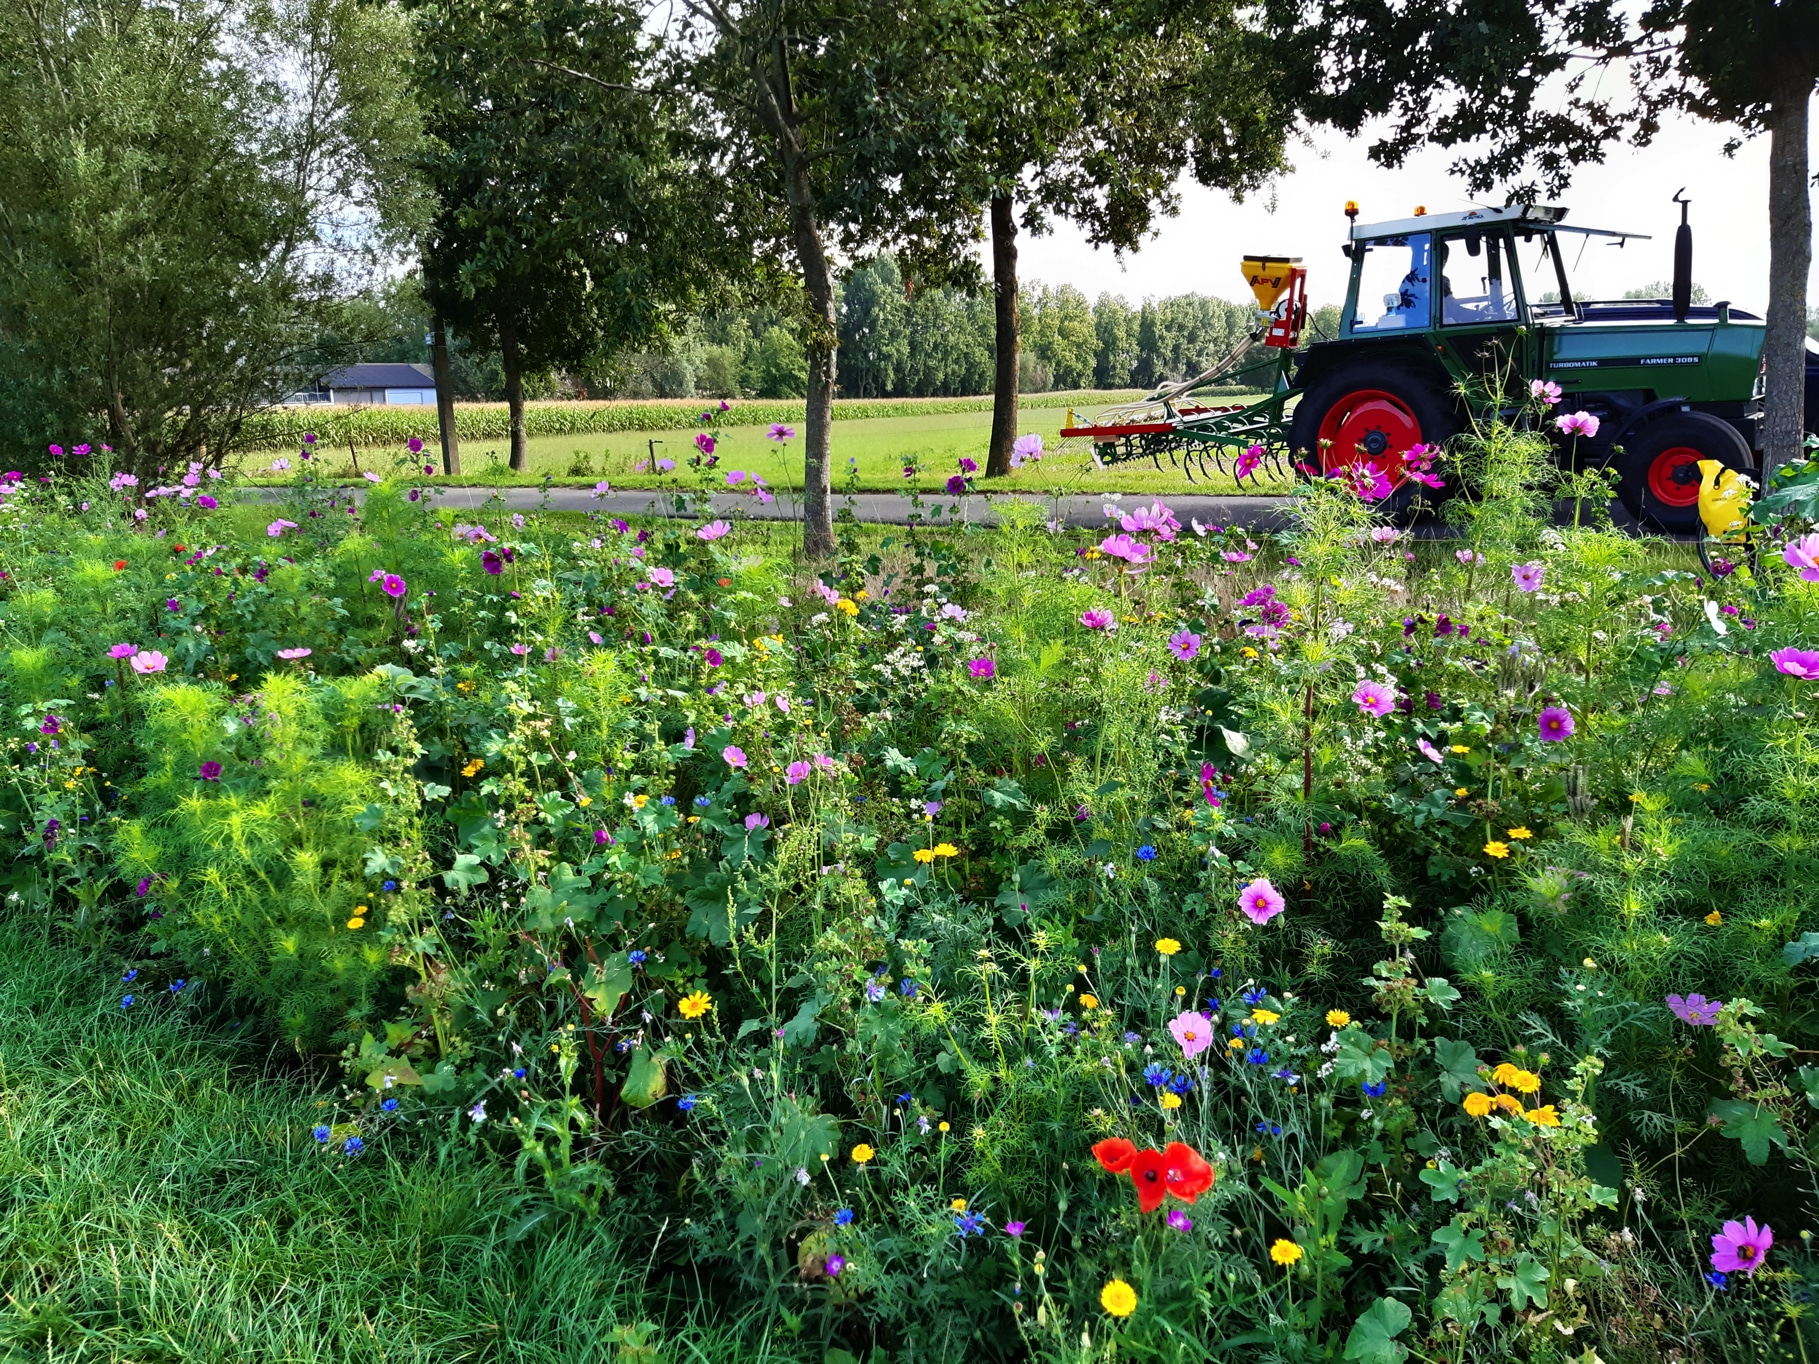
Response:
column 1418, row 390
column 1658, row 474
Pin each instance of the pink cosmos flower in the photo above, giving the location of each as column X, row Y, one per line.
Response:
column 123, row 651
column 147, row 661
column 755, row 698
column 1741, row 1246
column 797, row 772
column 779, row 432
column 521, row 649
column 1527, row 577
column 1134, row 552
column 1194, row 1033
column 1026, row 448
column 663, row 577
column 291, row 655
column 1548, row 393
column 1250, row 461
column 734, row 755
column 756, row 821
column 1429, row 752
column 1368, row 481
column 1184, row 645
column 1468, row 557
column 982, row 668
column 1803, row 554
column 1695, row 1010
column 713, row 530
column 1800, row 663
column 1374, row 699
column 392, row 585
column 371, row 477
column 1577, row 424
column 1154, row 517
column 1098, row 620
column 1555, row 724
column 1261, row 901
column 279, row 526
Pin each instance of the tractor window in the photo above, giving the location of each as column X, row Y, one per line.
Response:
column 1476, row 285
column 1394, row 286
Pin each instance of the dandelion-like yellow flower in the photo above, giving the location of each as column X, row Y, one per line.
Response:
column 1714, row 918
column 1285, row 1252
column 946, row 850
column 1509, row 1103
column 1171, row 1100
column 1167, row 946
column 958, row 1205
column 847, row 606
column 1264, row 1016
column 1089, row 1001
column 1478, row 1105
column 1543, row 1117
column 1118, row 1298
column 1520, row 831
column 1702, row 786
column 1461, row 748
column 1337, row 1018
column 1462, row 790
column 1248, row 652
column 356, row 922
column 1234, row 1044
column 941, row 1127
column 1180, row 990
column 640, row 800
column 473, row 766
column 1496, row 849
column 694, row 1005
column 862, row 1153
column 925, row 854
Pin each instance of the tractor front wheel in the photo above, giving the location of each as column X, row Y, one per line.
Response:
column 1372, row 413
column 1659, row 468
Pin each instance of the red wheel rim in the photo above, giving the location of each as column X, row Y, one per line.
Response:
column 1668, row 484
column 1369, row 426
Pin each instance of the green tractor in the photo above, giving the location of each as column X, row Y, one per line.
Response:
column 1448, row 304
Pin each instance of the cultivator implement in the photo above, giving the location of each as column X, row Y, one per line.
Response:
column 1241, row 440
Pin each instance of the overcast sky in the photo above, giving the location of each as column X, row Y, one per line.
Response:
column 1199, row 250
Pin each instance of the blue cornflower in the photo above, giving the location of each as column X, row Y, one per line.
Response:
column 177, row 986
column 1257, row 1056
column 1285, row 1074
column 702, row 802
column 1269, row 1129
column 388, row 885
column 1374, row 1090
column 1157, row 1074
column 1213, row 1005
column 320, row 1134
column 1256, row 996
column 969, row 1224
column 128, row 1002
column 1243, row 1028
column 874, row 990
column 909, row 989
column 1181, row 1084
column 1717, row 1280
column 130, row 976
column 686, row 1102
column 843, row 1217
column 389, row 1106
column 1145, row 853
column 1131, row 1039
column 637, row 956
column 1215, row 973
column 905, row 1099
column 518, row 1074
column 354, row 1146
column 667, row 800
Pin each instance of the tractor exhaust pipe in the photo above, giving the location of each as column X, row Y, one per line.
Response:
column 1683, row 261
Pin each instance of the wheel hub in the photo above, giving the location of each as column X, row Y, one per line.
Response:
column 1369, row 426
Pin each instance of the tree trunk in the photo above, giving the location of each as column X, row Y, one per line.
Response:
column 514, row 387
column 1790, row 257
column 445, row 399
column 1007, row 334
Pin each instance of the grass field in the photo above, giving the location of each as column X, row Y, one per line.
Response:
column 870, row 453
column 162, row 1199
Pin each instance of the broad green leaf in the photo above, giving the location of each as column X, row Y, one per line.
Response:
column 1458, row 1065
column 646, row 1082
column 1441, row 991
column 1359, row 1058
column 1751, row 1124
column 1461, row 1246
column 469, row 871
column 1373, row 1336
column 1803, row 949
column 1444, row 1180
column 1526, row 1283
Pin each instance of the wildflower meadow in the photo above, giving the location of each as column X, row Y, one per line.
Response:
column 1163, row 941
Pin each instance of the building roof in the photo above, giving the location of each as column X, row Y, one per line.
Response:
column 390, row 375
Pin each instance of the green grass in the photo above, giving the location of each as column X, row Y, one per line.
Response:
column 878, row 447
column 161, row 1199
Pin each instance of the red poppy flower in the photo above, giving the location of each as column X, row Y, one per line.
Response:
column 119, row 564
column 1149, row 1172
column 1186, row 1172
column 1115, row 1154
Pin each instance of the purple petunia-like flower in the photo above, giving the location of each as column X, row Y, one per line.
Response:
column 835, row 1263
column 209, row 771
column 797, row 772
column 956, row 485
column 1099, row 620
column 1555, row 724
column 982, row 668
column 207, row 503
column 1373, row 698
column 1527, row 577
column 1013, row 1229
column 1184, row 645
column 1695, row 1010
column 1261, row 901
column 414, row 445
column 1741, row 1246
column 1179, row 1221
column 1801, row 663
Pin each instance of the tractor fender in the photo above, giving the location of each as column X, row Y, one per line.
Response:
column 1321, row 358
column 1647, row 413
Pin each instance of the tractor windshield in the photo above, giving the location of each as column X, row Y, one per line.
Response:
column 1394, row 289
column 1475, row 285
column 1545, row 277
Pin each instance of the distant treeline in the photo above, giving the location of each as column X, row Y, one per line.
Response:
column 896, row 341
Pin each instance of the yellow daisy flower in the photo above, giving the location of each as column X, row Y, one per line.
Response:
column 1285, row 1252
column 1118, row 1298
column 694, row 1005
column 1337, row 1018
column 1167, row 946
column 1496, row 849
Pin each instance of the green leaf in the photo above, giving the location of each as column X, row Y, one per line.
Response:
column 1809, row 1080
column 1441, row 991
column 394, row 1072
column 1802, row 950
column 1458, row 1065
column 608, row 983
column 372, row 816
column 1444, row 1180
column 469, row 871
column 1373, row 1338
column 646, row 1083
column 380, row 863
column 801, row 1030
column 1751, row 1124
column 1461, row 1246
column 1359, row 1058
column 1526, row 1283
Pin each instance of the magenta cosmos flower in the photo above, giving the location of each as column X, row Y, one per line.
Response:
column 1373, row 698
column 1528, row 576
column 291, row 655
column 982, row 667
column 1261, row 901
column 713, row 530
column 1098, row 620
column 1801, row 663
column 147, row 661
column 123, row 651
column 393, row 585
column 1121, row 546
column 1547, row 392
column 1803, row 554
column 279, row 526
column 797, row 772
column 1025, row 449
column 1577, row 424
column 1695, row 1010
column 1429, row 752
column 1184, row 645
column 1555, row 724
column 1741, row 1246
column 734, row 755
column 780, row 433
column 1193, row 1032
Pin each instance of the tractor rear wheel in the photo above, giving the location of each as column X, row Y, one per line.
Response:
column 1373, row 412
column 1659, row 469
